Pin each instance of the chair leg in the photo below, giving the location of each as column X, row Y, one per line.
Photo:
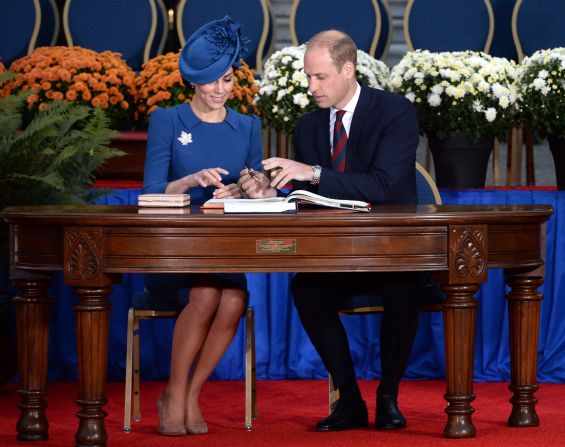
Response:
column 136, row 384
column 496, row 163
column 254, row 409
column 333, row 393
column 250, row 373
column 530, row 171
column 129, row 372
column 514, row 162
column 428, row 160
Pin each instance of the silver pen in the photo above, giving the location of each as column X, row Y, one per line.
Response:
column 251, row 173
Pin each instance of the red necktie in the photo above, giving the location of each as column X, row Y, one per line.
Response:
column 340, row 142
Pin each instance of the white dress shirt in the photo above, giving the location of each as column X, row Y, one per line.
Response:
column 347, row 117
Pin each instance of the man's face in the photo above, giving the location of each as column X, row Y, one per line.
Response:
column 328, row 85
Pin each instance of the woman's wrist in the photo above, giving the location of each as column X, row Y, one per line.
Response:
column 179, row 186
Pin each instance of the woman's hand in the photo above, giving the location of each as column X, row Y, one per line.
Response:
column 207, row 177
column 230, row 191
column 204, row 178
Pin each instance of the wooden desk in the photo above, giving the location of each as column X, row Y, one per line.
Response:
column 93, row 245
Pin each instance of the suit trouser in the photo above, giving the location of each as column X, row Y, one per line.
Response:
column 317, row 298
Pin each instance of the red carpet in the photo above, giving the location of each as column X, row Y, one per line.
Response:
column 288, row 411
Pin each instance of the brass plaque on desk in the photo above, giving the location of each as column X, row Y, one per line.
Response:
column 275, row 246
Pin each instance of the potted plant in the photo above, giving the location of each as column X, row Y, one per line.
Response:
column 463, row 101
column 542, row 86
column 283, row 91
column 78, row 75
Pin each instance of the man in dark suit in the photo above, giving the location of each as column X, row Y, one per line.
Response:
column 369, row 154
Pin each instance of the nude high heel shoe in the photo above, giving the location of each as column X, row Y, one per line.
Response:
column 197, row 429
column 168, row 430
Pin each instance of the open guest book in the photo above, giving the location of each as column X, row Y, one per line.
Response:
column 283, row 204
column 163, row 200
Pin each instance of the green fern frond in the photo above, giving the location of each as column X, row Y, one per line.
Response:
column 56, row 157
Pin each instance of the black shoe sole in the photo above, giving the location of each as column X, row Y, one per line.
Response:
column 350, row 427
column 390, row 427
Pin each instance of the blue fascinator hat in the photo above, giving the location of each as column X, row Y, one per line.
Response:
column 211, row 51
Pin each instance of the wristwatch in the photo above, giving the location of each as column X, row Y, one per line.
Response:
column 317, row 172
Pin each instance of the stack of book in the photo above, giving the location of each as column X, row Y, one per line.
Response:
column 163, row 203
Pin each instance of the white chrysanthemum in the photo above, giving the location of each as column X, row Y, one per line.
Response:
column 490, row 114
column 504, row 101
column 425, row 78
column 434, row 99
column 301, row 99
column 539, row 83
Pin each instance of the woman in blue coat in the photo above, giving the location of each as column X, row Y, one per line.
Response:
column 200, row 148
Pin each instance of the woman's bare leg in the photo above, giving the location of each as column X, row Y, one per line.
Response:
column 190, row 331
column 222, row 330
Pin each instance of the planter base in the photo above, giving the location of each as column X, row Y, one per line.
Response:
column 557, row 147
column 130, row 165
column 460, row 162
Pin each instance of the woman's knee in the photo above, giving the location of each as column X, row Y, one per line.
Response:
column 204, row 300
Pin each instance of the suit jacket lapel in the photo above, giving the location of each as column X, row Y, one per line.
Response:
column 359, row 116
column 323, row 147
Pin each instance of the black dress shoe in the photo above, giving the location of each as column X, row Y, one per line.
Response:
column 388, row 416
column 344, row 416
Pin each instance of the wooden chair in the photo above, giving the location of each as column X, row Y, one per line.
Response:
column 443, row 25
column 361, row 19
column 372, row 303
column 20, row 22
column 124, row 26
column 536, row 25
column 133, row 380
column 50, row 24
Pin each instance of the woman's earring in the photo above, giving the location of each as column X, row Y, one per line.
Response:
column 191, row 85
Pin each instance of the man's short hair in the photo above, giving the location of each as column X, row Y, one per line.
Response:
column 341, row 47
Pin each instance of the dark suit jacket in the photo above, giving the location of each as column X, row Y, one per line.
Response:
column 381, row 150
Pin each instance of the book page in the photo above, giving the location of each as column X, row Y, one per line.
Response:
column 259, row 206
column 310, row 197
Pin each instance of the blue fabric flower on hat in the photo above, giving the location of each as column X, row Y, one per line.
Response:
column 211, row 51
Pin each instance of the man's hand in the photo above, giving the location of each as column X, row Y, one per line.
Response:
column 231, row 191
column 287, row 170
column 255, row 185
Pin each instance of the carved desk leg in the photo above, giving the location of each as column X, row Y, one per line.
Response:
column 467, row 269
column 459, row 317
column 32, row 313
column 92, row 328
column 524, row 302
column 83, row 257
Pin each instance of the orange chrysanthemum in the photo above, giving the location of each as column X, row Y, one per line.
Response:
column 76, row 74
column 160, row 85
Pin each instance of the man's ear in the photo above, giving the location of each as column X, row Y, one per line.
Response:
column 349, row 69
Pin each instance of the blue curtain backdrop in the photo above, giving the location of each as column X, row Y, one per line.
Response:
column 283, row 349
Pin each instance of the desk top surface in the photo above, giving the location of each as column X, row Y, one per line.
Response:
column 117, row 215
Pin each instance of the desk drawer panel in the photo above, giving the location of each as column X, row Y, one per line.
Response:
column 265, row 250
